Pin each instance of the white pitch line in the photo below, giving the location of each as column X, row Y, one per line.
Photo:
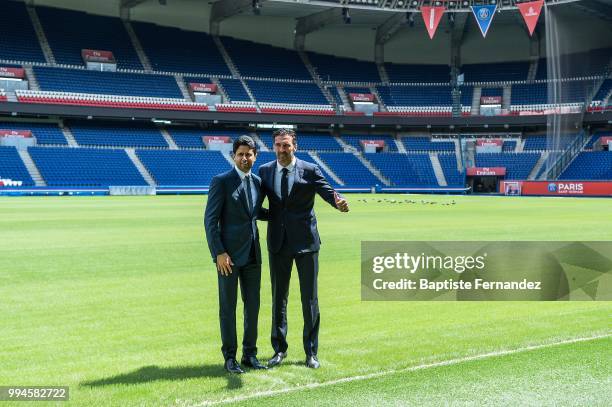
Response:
column 394, row 371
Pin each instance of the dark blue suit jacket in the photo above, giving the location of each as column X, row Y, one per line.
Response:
column 229, row 225
column 296, row 220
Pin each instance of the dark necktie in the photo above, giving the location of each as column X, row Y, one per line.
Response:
column 285, row 185
column 249, row 195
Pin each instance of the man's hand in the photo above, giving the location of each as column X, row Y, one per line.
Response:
column 341, row 203
column 224, row 264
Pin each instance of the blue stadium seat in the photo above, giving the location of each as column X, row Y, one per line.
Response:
column 107, row 83
column 291, row 93
column 331, row 68
column 68, row 32
column 509, row 146
column 349, row 169
column 85, row 167
column 18, row 40
column 234, row 89
column 355, row 140
column 45, row 133
column 496, row 72
column 416, row 95
column 116, row 135
column 448, row 162
column 265, row 61
column 13, row 168
column 183, row 167
column 410, row 171
column 174, row 50
column 518, row 165
column 418, row 73
column 592, row 165
column 426, row 144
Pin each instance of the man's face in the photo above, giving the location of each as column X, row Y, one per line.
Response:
column 284, row 149
column 244, row 158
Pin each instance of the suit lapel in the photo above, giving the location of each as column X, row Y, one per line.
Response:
column 298, row 179
column 239, row 191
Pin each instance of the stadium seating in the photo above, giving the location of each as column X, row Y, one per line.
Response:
column 411, row 171
column 416, row 96
column 593, row 165
column 106, row 83
column 11, row 167
column 448, row 162
column 18, row 41
column 190, row 137
column 235, row 91
column 496, row 72
column 331, row 68
column 45, row 133
column 492, row 92
column 116, row 135
column 289, row 93
column 509, row 146
column 183, row 167
column 85, row 167
column 349, row 169
column 265, row 61
column 426, row 144
column 418, row 73
column 174, row 50
column 355, row 140
column 68, row 32
column 518, row 165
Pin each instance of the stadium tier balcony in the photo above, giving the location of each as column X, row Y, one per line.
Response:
column 496, row 72
column 518, row 165
column 591, row 165
column 45, row 133
column 236, row 107
column 426, row 144
column 85, row 167
column 13, row 169
column 107, row 83
column 114, row 135
column 448, row 162
column 183, row 167
column 349, row 169
column 418, row 73
column 87, row 99
column 265, row 61
column 335, row 69
column 68, row 32
column 18, row 40
column 410, row 171
column 174, row 50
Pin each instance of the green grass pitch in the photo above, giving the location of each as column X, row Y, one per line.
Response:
column 116, row 297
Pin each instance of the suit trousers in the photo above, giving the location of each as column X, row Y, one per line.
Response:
column 280, row 275
column 249, row 277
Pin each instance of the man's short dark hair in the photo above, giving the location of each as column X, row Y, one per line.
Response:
column 245, row 141
column 285, row 132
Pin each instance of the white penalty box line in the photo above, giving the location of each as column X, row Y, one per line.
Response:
column 376, row 375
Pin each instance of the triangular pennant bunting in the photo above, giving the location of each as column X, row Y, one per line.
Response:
column 432, row 17
column 484, row 16
column 531, row 12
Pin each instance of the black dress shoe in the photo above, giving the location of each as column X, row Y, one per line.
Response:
column 312, row 362
column 233, row 367
column 277, row 359
column 252, row 362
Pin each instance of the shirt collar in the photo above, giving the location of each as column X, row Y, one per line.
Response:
column 240, row 173
column 290, row 167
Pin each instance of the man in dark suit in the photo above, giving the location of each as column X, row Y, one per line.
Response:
column 291, row 185
column 234, row 201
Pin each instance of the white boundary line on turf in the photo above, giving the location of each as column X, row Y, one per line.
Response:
column 393, row 371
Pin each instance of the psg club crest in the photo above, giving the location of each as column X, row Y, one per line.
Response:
column 552, row 187
column 484, row 16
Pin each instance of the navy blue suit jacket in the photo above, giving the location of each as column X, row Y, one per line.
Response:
column 295, row 221
column 229, row 225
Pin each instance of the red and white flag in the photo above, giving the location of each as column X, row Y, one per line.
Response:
column 432, row 17
column 531, row 12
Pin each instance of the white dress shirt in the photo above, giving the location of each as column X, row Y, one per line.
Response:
column 279, row 176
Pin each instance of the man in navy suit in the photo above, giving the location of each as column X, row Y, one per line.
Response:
column 234, row 201
column 291, row 185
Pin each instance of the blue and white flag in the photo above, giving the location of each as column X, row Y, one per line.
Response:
column 484, row 16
